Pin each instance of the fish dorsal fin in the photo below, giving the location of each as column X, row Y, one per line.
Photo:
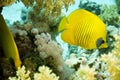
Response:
column 77, row 15
column 63, row 24
column 67, row 32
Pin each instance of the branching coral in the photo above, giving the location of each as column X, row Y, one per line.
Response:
column 50, row 6
column 6, row 2
column 45, row 74
column 45, row 14
column 84, row 63
column 84, row 73
column 113, row 60
column 21, row 74
column 72, row 61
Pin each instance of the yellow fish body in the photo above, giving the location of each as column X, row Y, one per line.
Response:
column 83, row 28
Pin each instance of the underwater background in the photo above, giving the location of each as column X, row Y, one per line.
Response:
column 31, row 47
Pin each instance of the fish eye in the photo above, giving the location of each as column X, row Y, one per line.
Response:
column 99, row 42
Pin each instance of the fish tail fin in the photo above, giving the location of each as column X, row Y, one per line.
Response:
column 62, row 25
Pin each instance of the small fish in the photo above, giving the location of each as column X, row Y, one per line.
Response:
column 83, row 28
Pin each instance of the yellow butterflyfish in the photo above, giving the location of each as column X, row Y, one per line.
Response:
column 83, row 28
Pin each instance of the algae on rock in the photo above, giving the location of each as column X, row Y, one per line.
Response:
column 6, row 2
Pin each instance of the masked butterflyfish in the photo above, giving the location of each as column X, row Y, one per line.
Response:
column 83, row 28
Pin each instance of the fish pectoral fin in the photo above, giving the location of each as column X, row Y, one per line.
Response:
column 68, row 36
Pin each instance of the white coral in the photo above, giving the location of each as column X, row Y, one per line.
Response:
column 72, row 61
column 45, row 74
column 84, row 73
column 21, row 74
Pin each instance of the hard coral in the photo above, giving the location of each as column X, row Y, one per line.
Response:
column 45, row 74
column 113, row 60
column 84, row 73
column 21, row 74
column 6, row 2
column 72, row 61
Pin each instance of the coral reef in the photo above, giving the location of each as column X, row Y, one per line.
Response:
column 73, row 60
column 113, row 60
column 53, row 7
column 45, row 15
column 110, row 15
column 6, row 2
column 51, row 52
column 35, row 39
column 37, row 49
column 104, row 67
column 44, row 74
column 91, row 6
column 21, row 74
column 45, row 47
column 84, row 73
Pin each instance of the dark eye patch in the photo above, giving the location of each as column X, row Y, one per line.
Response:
column 99, row 42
